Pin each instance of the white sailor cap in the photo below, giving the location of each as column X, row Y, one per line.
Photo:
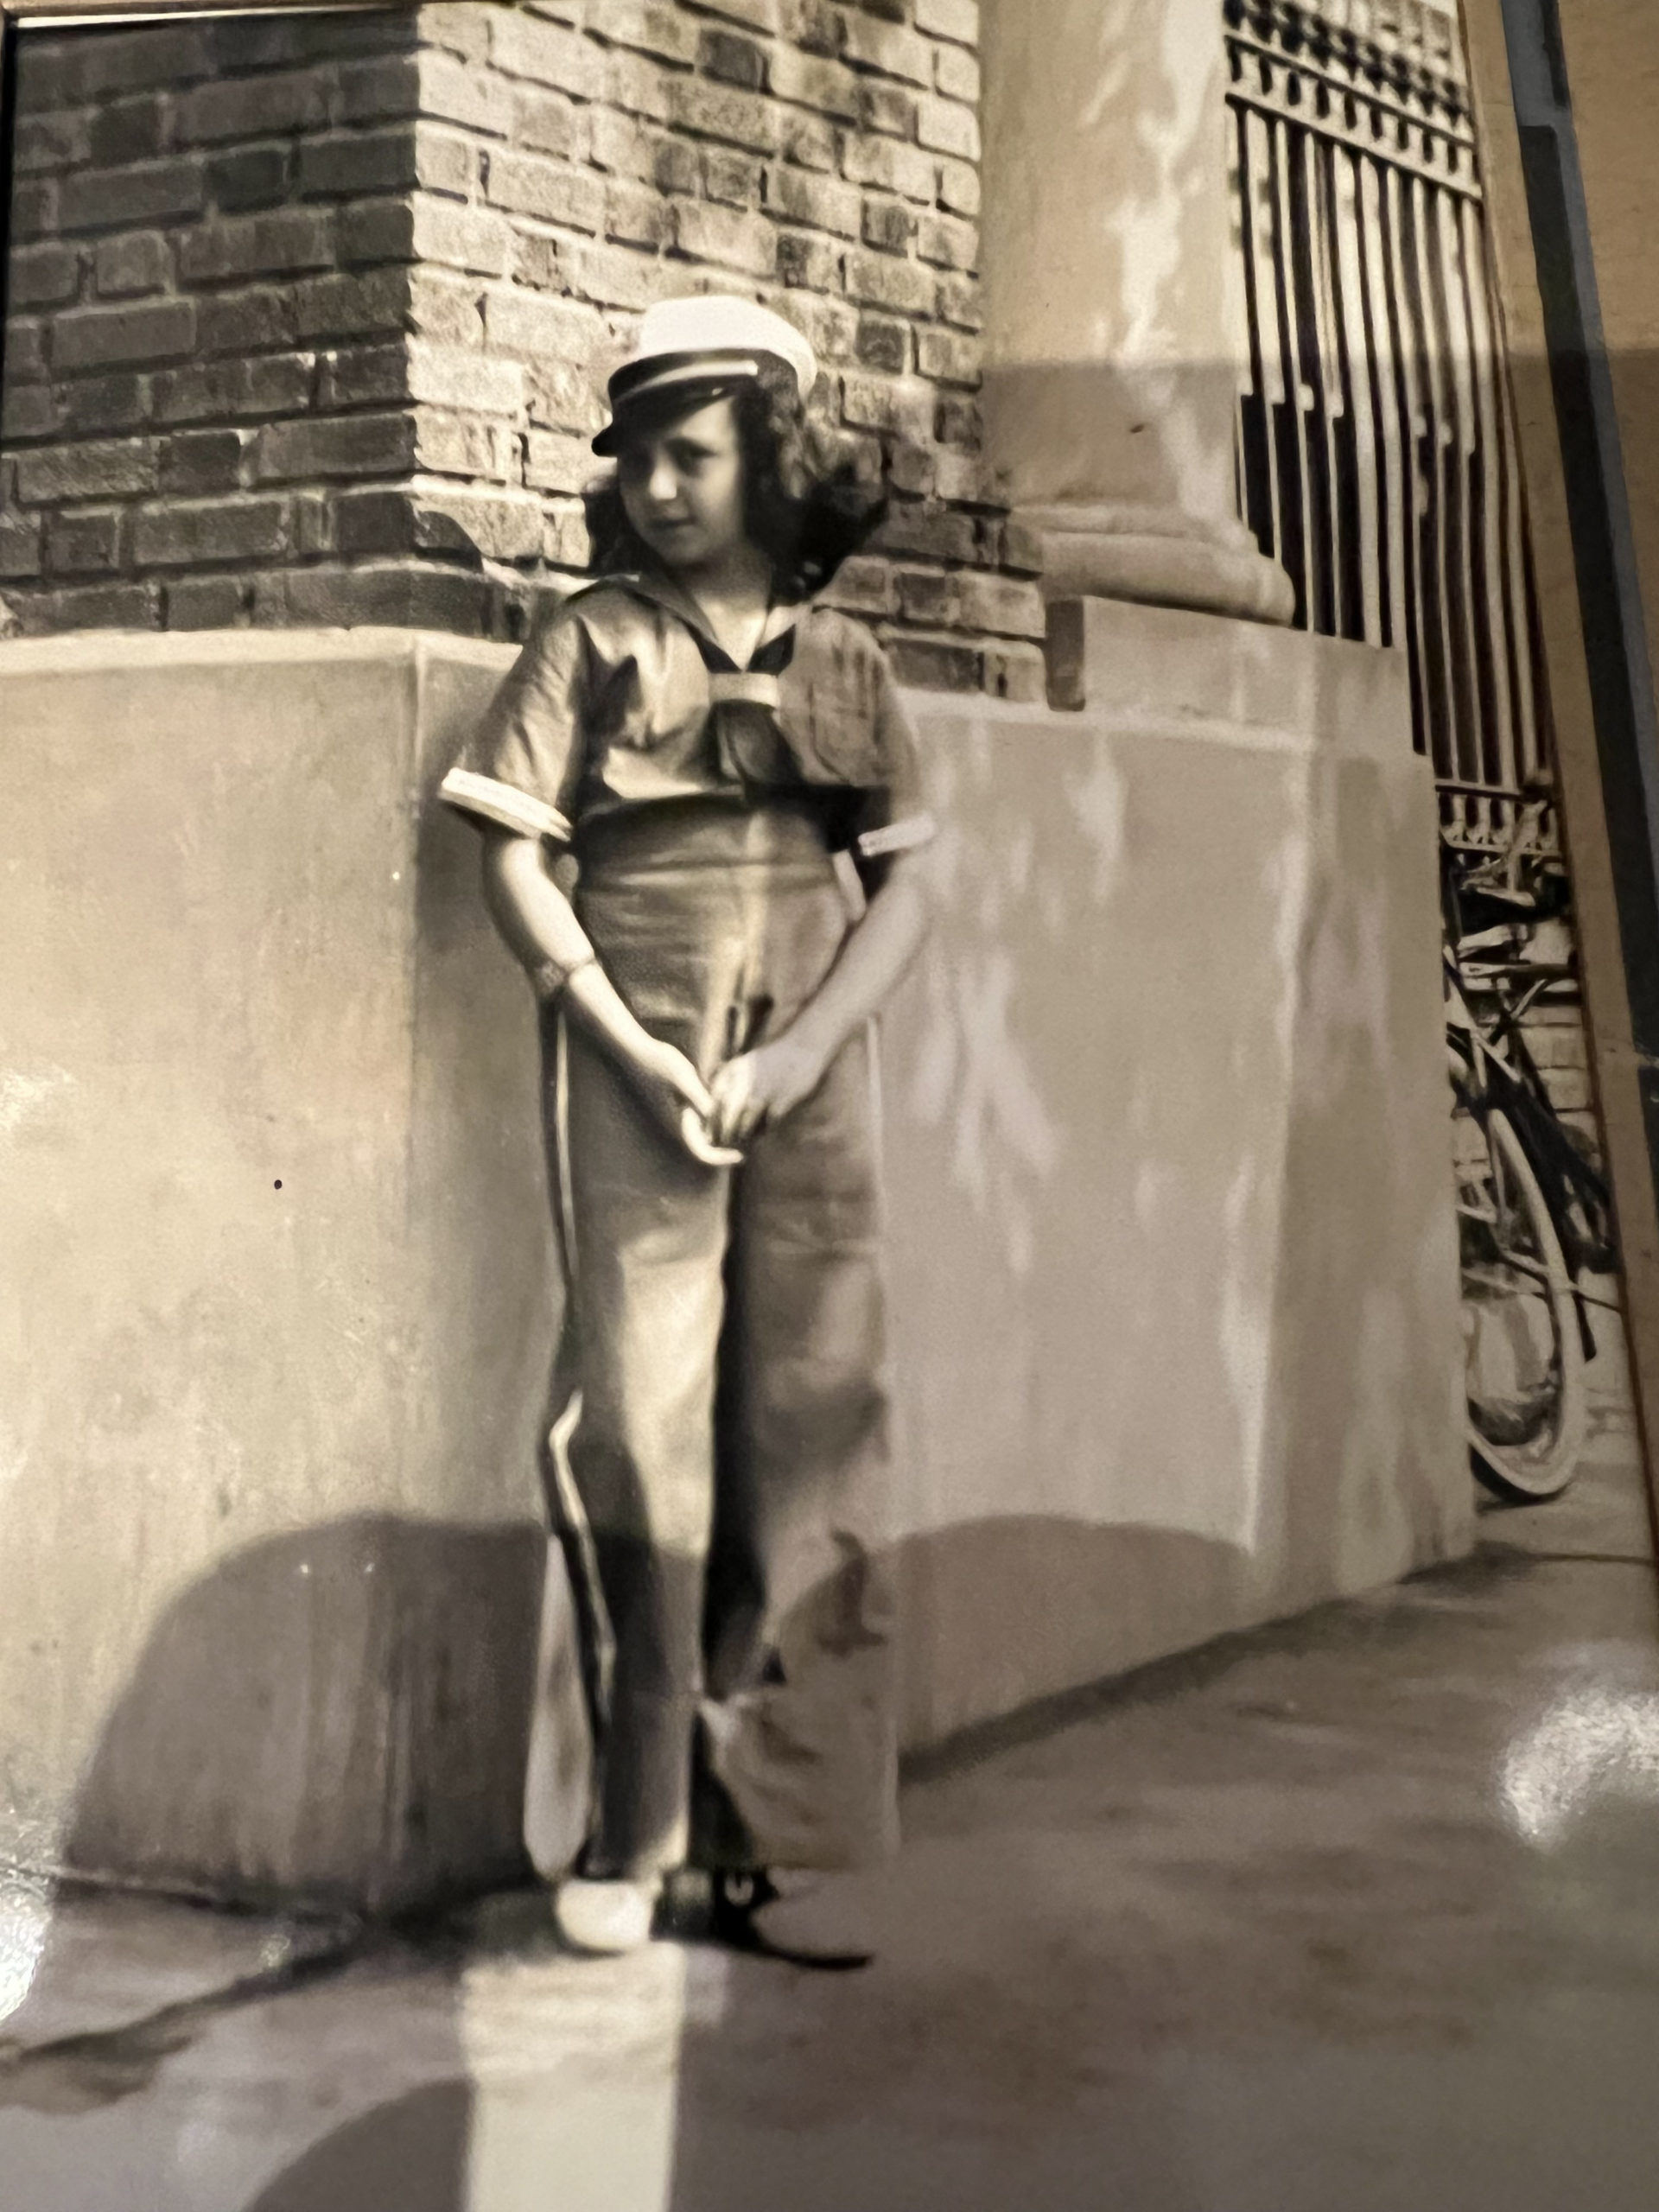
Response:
column 713, row 340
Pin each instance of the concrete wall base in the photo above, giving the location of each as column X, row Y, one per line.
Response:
column 1173, row 1250
column 1174, row 1247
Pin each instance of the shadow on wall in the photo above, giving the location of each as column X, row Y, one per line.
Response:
column 340, row 1717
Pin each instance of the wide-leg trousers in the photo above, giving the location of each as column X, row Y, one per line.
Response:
column 719, row 1469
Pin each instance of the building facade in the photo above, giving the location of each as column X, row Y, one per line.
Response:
column 305, row 319
column 310, row 316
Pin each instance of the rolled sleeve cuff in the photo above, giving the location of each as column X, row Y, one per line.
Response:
column 504, row 806
column 901, row 836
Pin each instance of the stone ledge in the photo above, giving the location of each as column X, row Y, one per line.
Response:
column 78, row 652
column 1262, row 685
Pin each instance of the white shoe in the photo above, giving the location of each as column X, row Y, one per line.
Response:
column 605, row 1918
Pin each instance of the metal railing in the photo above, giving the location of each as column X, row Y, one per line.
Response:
column 1376, row 447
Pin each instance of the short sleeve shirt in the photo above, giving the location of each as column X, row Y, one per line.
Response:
column 622, row 698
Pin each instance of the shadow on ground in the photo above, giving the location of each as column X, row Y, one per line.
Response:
column 1264, row 1929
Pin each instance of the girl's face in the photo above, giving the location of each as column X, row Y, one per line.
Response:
column 682, row 486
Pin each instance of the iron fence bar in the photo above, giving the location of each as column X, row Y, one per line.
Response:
column 1365, row 411
column 1396, row 472
column 1420, row 634
column 1431, row 431
column 1357, row 141
column 1463, row 461
column 1378, row 458
column 1323, row 63
column 1294, row 413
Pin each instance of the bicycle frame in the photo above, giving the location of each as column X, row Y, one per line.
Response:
column 1484, row 1077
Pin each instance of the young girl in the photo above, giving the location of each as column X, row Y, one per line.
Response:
column 706, row 741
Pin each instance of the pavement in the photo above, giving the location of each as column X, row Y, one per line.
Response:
column 1359, row 1911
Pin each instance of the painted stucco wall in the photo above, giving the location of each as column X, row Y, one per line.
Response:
column 1172, row 1241
column 275, row 1310
column 1174, row 1253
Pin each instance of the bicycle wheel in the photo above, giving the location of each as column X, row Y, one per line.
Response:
column 1528, row 1405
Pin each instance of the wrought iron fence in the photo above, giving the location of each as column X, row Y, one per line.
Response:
column 1376, row 447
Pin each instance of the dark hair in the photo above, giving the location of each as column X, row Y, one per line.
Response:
column 807, row 506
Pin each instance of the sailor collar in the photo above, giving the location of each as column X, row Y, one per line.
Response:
column 657, row 587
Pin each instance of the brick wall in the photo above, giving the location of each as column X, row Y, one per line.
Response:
column 309, row 316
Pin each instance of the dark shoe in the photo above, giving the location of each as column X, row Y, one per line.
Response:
column 685, row 1909
column 811, row 1920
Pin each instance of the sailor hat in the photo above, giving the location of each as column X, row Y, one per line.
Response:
column 710, row 341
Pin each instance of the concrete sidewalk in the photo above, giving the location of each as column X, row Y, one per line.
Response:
column 1361, row 1912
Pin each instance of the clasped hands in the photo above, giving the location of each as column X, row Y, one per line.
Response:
column 712, row 1120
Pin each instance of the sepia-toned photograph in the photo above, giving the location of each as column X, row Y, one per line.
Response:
column 829, row 1011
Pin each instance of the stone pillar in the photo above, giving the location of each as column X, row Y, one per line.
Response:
column 1111, row 349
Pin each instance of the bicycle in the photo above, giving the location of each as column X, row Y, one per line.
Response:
column 1533, row 1212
